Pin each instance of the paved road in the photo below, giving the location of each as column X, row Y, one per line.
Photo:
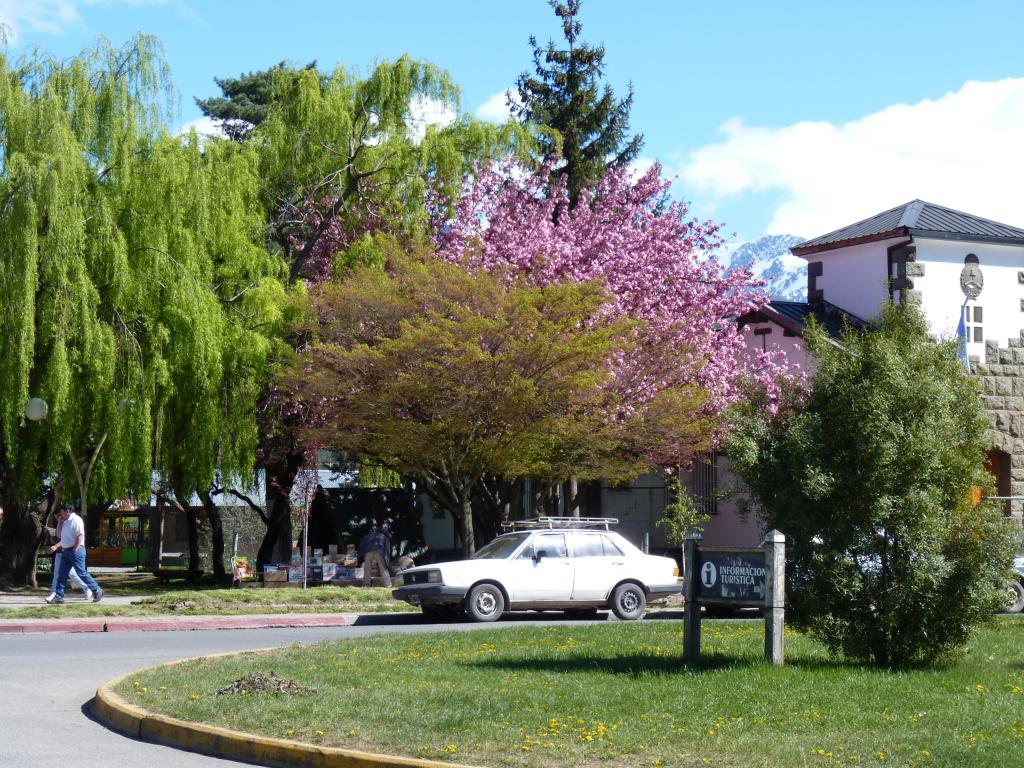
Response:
column 46, row 682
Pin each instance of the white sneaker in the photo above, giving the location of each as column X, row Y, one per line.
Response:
column 88, row 596
column 49, row 597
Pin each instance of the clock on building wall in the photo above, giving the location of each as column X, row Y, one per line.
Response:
column 971, row 279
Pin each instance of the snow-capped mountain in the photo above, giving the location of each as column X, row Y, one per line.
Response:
column 768, row 257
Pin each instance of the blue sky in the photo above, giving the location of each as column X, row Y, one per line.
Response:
column 774, row 117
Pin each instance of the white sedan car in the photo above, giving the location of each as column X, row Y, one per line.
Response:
column 555, row 568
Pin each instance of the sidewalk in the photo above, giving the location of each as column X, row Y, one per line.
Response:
column 60, row 623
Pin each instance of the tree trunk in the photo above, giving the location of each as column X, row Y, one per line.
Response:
column 156, row 534
column 216, row 533
column 571, row 493
column 21, row 533
column 468, row 540
column 276, row 546
column 192, row 515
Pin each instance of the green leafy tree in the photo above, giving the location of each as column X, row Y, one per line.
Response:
column 590, row 126
column 136, row 293
column 870, row 476
column 245, row 100
column 453, row 378
column 343, row 156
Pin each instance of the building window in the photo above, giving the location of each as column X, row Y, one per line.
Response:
column 973, row 324
column 704, row 484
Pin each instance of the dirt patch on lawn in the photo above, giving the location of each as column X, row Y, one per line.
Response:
column 258, row 682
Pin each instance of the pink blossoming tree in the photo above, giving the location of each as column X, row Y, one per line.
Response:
column 656, row 261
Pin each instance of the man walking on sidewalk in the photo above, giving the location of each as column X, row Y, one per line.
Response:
column 72, row 547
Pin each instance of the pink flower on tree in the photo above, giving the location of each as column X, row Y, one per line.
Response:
column 658, row 263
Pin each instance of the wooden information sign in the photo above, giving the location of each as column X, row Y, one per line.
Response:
column 736, row 577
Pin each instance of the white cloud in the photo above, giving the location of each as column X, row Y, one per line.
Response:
column 204, row 126
column 424, row 112
column 639, row 166
column 44, row 16
column 51, row 17
column 962, row 150
column 495, row 107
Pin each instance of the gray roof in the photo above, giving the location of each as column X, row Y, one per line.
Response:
column 916, row 218
column 793, row 316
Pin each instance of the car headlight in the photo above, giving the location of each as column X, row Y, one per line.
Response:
column 433, row 577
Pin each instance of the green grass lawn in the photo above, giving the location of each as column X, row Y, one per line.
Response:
column 616, row 694
column 180, row 601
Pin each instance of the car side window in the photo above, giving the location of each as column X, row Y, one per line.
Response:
column 527, row 553
column 611, row 549
column 553, row 544
column 586, row 545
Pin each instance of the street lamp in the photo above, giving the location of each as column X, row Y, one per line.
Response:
column 36, row 409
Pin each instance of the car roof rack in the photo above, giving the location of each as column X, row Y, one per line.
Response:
column 534, row 523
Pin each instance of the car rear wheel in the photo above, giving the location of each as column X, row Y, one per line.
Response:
column 1015, row 597
column 628, row 601
column 485, row 603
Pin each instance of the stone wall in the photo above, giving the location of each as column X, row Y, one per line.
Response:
column 1002, row 380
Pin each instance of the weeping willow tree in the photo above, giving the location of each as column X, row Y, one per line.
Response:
column 343, row 156
column 136, row 296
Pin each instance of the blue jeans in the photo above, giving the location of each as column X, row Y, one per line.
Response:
column 76, row 560
column 72, row 576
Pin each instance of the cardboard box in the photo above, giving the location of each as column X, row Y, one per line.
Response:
column 344, row 574
column 275, row 576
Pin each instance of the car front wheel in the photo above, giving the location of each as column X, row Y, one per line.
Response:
column 628, row 601
column 485, row 603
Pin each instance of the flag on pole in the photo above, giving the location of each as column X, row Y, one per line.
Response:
column 961, row 335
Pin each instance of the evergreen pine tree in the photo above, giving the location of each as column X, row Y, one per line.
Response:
column 244, row 100
column 565, row 94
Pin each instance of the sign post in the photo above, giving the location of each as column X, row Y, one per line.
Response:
column 735, row 577
column 775, row 596
column 691, row 608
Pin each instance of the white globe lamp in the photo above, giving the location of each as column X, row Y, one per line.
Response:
column 36, row 409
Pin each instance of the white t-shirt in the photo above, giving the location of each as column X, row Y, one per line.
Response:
column 70, row 530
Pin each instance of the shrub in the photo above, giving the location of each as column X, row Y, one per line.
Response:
column 870, row 475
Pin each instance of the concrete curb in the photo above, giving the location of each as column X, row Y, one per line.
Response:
column 173, row 624
column 111, row 709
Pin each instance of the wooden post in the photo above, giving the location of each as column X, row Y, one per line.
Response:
column 775, row 596
column 691, row 616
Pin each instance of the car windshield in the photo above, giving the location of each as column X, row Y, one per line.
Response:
column 502, row 547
